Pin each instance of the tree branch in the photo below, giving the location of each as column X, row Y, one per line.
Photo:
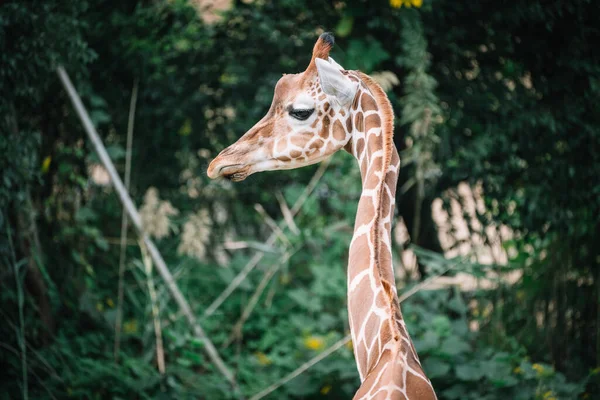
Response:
column 136, row 220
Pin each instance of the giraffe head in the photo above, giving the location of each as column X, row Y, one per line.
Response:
column 307, row 122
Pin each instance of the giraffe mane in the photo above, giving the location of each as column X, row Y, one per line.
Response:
column 386, row 113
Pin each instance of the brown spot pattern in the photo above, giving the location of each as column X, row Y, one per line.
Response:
column 355, row 102
column 298, row 140
column 295, row 153
column 360, row 146
column 358, row 122
column 325, row 128
column 372, row 121
column 366, row 212
column 281, row 145
column 349, row 123
column 368, row 102
column 361, row 305
column 316, row 144
column 375, row 143
column 338, row 131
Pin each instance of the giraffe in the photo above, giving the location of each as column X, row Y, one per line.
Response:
column 313, row 115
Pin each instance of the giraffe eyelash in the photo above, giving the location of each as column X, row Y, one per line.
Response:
column 302, row 114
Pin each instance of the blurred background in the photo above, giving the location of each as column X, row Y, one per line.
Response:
column 498, row 204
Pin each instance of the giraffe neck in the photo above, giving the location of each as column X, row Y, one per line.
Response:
column 378, row 331
column 372, row 299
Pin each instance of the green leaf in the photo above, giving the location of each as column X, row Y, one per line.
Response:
column 454, row 346
column 469, row 372
column 435, row 368
column 430, row 340
column 441, row 324
column 505, row 381
column 365, row 54
column 344, row 27
column 115, row 152
column 85, row 214
column 305, row 299
column 455, row 392
column 457, row 304
column 184, row 362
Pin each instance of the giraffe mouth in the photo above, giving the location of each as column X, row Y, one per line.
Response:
column 235, row 177
column 234, row 173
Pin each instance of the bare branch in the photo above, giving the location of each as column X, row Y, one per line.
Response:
column 270, row 241
column 310, row 187
column 337, row 345
column 237, row 329
column 272, row 224
column 136, row 220
column 420, row 177
column 287, row 213
column 124, row 222
column 160, row 352
column 249, row 244
column 237, row 280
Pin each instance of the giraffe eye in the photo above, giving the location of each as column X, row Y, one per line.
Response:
column 301, row 115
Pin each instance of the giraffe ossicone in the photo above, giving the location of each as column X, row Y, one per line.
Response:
column 313, row 115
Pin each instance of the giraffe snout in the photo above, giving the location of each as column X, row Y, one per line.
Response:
column 229, row 164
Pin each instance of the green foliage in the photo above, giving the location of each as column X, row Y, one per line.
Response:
column 509, row 112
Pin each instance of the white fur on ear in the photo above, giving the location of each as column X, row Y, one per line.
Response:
column 334, row 83
column 332, row 62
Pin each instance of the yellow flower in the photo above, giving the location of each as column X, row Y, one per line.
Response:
column 518, row 370
column 46, row 164
column 541, row 370
column 130, row 326
column 314, row 343
column 186, row 128
column 350, row 345
column 549, row 396
column 262, row 358
column 406, row 3
column 325, row 389
column 110, row 302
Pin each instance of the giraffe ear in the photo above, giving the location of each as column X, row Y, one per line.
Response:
column 338, row 66
column 334, row 83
